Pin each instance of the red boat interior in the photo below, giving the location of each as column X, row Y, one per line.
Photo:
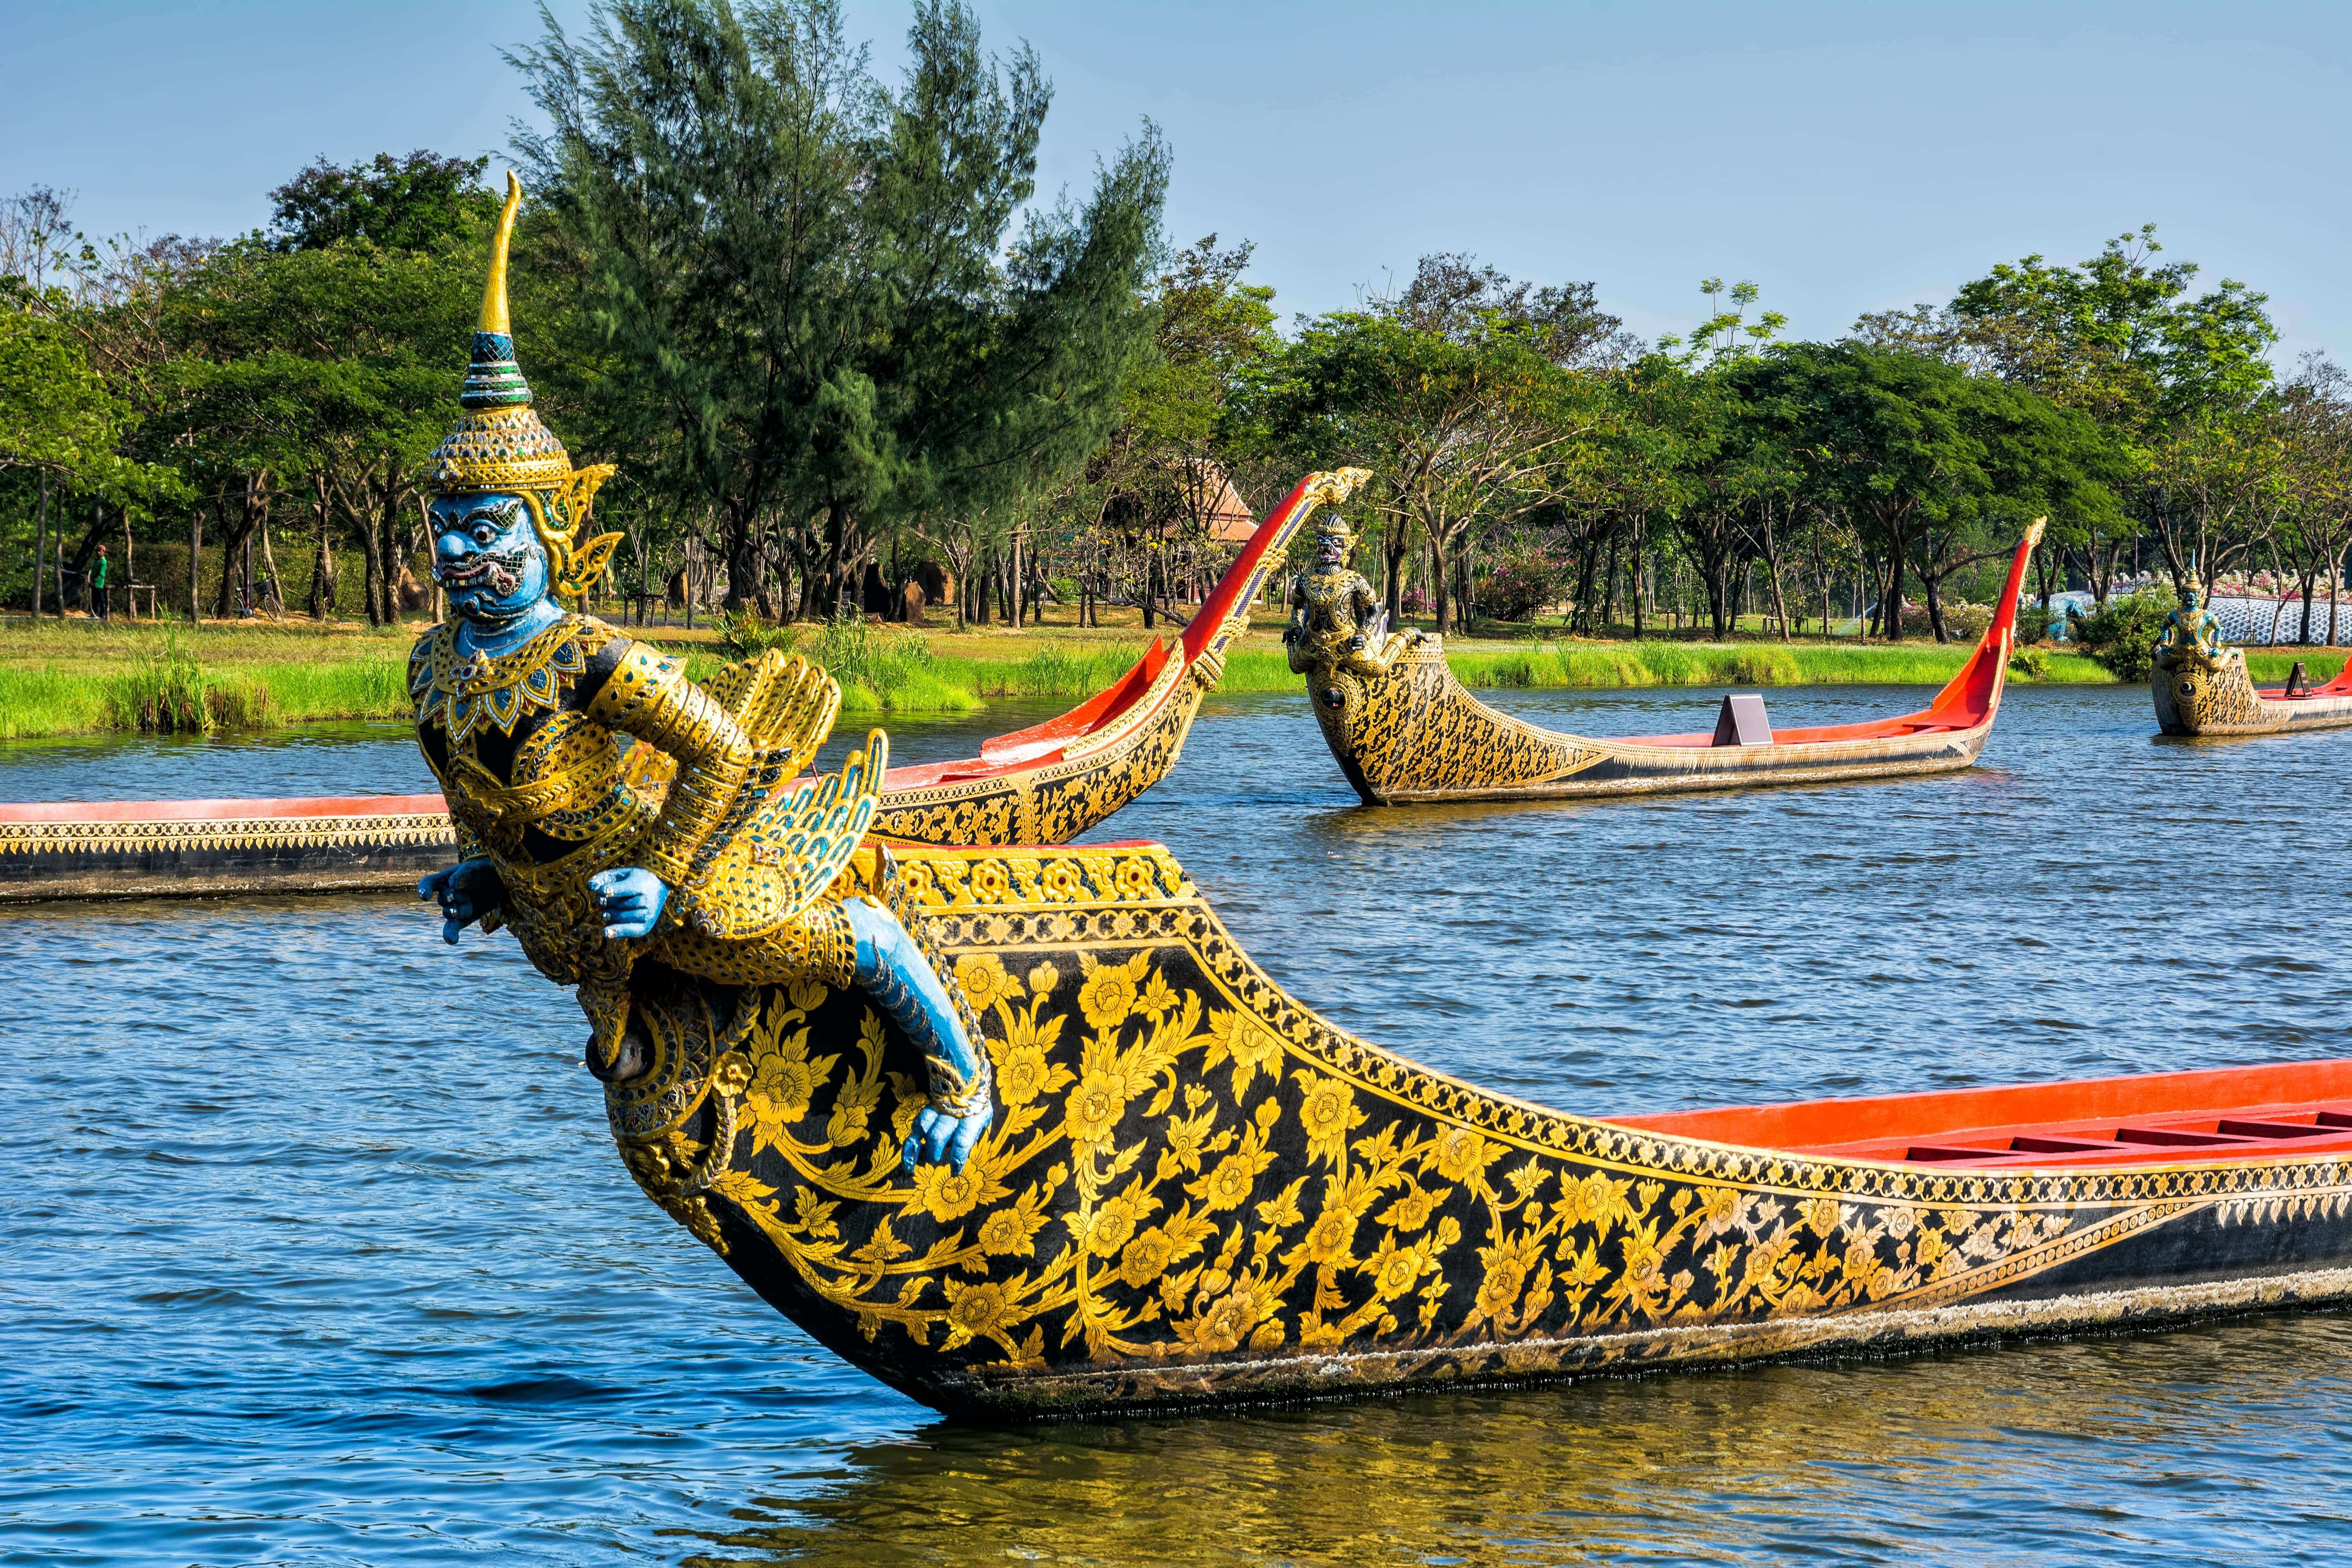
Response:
column 2232, row 1114
column 1046, row 742
column 2339, row 686
column 1967, row 699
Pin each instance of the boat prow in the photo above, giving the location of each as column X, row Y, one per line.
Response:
column 1416, row 734
column 1196, row 1190
column 2197, row 696
column 1054, row 780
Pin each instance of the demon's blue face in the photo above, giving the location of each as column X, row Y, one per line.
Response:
column 488, row 558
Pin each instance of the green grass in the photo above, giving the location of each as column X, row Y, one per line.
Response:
column 361, row 688
column 2268, row 668
column 164, row 695
column 79, row 678
column 1594, row 665
column 50, row 701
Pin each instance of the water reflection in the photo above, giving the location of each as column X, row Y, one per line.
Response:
column 354, row 758
column 2196, row 1445
column 316, row 1251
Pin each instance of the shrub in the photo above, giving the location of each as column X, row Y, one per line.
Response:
column 1520, row 584
column 2121, row 634
column 2030, row 663
column 168, row 692
column 746, row 636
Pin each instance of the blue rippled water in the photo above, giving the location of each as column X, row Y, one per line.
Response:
column 316, row 1250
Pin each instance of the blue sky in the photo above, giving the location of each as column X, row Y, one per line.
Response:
column 1846, row 157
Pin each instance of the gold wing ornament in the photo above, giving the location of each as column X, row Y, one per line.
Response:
column 782, row 703
column 780, row 846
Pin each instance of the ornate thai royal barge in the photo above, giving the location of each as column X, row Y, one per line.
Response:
column 1194, row 1190
column 1404, row 730
column 2203, row 689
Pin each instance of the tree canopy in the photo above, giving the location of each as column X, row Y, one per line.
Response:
column 811, row 279
column 836, row 336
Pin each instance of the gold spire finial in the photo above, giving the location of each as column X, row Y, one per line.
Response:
column 494, row 291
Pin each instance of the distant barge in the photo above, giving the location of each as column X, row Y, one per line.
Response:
column 2200, row 697
column 1416, row 735
column 138, row 848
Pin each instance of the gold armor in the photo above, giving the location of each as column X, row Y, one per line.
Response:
column 528, row 750
column 1336, row 622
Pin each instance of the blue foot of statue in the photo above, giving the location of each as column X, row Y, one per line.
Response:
column 903, row 984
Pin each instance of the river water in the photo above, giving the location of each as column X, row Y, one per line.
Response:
column 316, row 1250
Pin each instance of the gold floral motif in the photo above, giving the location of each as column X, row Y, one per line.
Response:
column 2217, row 696
column 1190, row 1170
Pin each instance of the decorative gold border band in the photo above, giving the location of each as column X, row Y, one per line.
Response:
column 418, row 829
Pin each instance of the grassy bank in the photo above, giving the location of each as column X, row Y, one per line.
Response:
column 81, row 677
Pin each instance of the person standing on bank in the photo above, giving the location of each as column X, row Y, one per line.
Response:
column 98, row 584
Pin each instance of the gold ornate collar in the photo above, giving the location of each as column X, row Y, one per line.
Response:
column 457, row 691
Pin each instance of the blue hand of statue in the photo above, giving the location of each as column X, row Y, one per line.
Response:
column 468, row 891
column 628, row 901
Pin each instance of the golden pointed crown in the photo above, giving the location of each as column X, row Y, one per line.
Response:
column 499, row 444
column 1331, row 525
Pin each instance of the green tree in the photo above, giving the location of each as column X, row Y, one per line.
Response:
column 1185, row 429
column 417, row 202
column 328, row 372
column 2119, row 337
column 1462, row 394
column 57, row 416
column 808, row 284
column 1922, row 454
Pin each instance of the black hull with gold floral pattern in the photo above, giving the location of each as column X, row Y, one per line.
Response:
column 2200, row 697
column 1411, row 733
column 1197, row 1192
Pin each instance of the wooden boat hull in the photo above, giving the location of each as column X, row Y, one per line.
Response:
column 1416, row 735
column 1053, row 802
column 2192, row 699
column 220, row 848
column 1419, row 736
column 1045, row 784
column 1198, row 1191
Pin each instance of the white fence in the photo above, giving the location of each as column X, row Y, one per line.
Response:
column 2246, row 621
